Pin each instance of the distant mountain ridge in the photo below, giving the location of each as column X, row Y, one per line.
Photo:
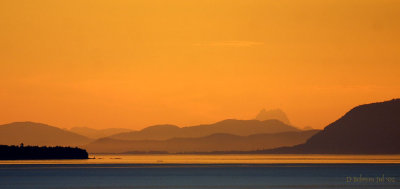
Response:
column 31, row 133
column 230, row 126
column 214, row 142
column 97, row 133
column 366, row 129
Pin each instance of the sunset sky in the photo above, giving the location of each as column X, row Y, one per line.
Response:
column 135, row 63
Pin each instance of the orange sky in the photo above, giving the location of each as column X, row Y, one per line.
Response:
column 137, row 63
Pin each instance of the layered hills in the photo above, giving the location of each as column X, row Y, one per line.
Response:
column 230, row 126
column 366, row 129
column 210, row 143
column 31, row 133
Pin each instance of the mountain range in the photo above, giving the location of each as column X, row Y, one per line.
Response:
column 366, row 129
column 210, row 143
column 229, row 126
column 227, row 131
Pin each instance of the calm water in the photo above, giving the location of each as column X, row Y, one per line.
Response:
column 205, row 171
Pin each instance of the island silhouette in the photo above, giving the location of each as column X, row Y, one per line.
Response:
column 35, row 152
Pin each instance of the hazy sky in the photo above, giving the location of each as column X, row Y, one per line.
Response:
column 137, row 63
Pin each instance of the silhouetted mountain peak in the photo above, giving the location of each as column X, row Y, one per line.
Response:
column 273, row 114
column 370, row 116
column 32, row 133
column 366, row 129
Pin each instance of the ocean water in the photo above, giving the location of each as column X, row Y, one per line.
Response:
column 205, row 171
